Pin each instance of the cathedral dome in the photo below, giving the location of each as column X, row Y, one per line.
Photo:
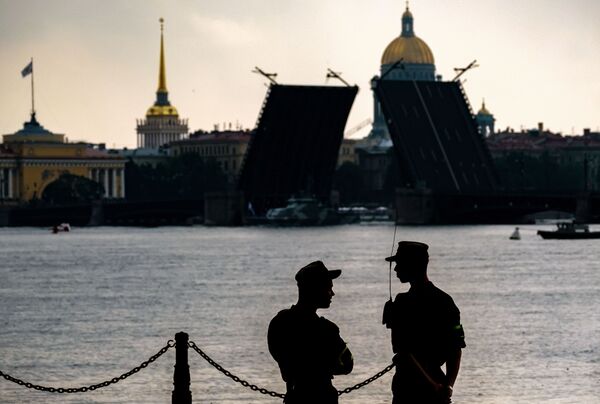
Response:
column 408, row 47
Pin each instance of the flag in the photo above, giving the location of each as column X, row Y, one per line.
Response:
column 27, row 70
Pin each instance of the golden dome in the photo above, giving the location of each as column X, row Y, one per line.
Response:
column 483, row 110
column 410, row 49
column 162, row 110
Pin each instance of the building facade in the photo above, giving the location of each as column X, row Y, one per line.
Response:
column 541, row 160
column 227, row 148
column 34, row 157
column 347, row 152
column 162, row 124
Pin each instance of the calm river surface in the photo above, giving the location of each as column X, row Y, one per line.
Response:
column 83, row 307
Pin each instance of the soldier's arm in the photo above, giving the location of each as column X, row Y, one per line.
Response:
column 345, row 361
column 277, row 339
column 453, row 366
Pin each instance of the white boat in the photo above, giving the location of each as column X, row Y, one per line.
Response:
column 63, row 227
column 570, row 231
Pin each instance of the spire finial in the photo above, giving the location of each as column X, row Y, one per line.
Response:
column 407, row 23
column 162, row 77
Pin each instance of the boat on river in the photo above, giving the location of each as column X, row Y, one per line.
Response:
column 569, row 231
column 63, row 227
column 302, row 211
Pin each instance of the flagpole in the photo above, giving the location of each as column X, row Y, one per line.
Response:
column 32, row 99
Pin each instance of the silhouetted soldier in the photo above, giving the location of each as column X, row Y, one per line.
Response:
column 308, row 348
column 426, row 332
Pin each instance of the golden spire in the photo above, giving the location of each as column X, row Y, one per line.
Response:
column 162, row 106
column 483, row 110
column 162, row 77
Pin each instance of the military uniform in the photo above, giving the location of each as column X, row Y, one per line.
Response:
column 309, row 351
column 425, row 323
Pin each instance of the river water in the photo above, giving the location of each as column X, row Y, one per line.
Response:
column 83, row 307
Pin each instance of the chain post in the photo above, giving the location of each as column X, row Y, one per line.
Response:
column 181, row 375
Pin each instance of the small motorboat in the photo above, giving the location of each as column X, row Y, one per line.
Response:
column 515, row 234
column 63, row 227
column 569, row 231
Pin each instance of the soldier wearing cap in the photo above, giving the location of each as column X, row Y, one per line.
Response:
column 426, row 332
column 308, row 348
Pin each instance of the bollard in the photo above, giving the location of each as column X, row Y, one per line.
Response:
column 181, row 376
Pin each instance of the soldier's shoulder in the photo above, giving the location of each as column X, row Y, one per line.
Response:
column 401, row 297
column 441, row 295
column 283, row 316
column 329, row 325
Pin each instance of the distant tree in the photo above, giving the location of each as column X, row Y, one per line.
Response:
column 71, row 189
column 186, row 176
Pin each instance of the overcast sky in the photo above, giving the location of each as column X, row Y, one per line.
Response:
column 96, row 62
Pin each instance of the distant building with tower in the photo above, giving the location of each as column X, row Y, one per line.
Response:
column 485, row 121
column 33, row 157
column 407, row 57
column 162, row 124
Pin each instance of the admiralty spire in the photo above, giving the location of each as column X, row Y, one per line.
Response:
column 162, row 124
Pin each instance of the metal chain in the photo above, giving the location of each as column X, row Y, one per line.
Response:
column 233, row 377
column 369, row 380
column 170, row 344
column 261, row 390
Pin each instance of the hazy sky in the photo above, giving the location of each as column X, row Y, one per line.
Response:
column 96, row 62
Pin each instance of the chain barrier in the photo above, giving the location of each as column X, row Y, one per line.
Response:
column 369, row 380
column 261, row 390
column 233, row 377
column 170, row 344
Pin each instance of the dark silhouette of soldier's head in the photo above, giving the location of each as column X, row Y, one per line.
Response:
column 411, row 260
column 315, row 284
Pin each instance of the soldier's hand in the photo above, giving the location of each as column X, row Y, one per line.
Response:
column 445, row 392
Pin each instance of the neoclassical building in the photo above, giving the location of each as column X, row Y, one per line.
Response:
column 227, row 148
column 162, row 124
column 407, row 57
column 34, row 157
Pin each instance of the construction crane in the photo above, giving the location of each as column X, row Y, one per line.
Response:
column 462, row 70
column 358, row 127
column 269, row 76
column 336, row 75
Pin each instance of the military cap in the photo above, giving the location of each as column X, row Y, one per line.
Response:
column 409, row 250
column 316, row 272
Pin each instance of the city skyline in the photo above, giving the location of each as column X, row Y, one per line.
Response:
column 95, row 76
